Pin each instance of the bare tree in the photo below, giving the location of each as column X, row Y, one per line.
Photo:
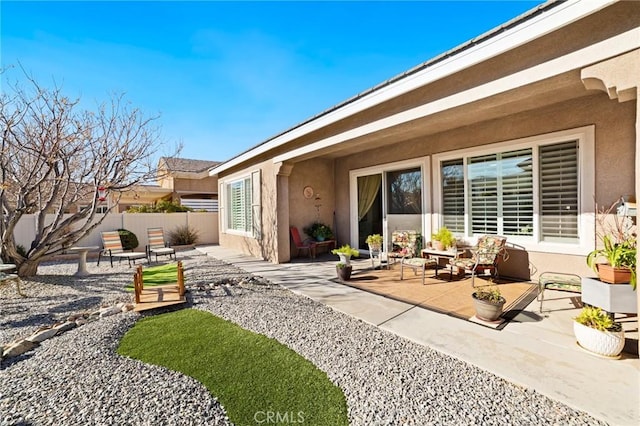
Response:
column 54, row 156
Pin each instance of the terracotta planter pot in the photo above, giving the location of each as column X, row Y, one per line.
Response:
column 344, row 273
column 611, row 275
column 487, row 311
column 604, row 343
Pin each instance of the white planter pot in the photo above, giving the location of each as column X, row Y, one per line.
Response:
column 345, row 259
column 605, row 343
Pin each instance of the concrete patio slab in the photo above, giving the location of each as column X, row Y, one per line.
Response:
column 537, row 351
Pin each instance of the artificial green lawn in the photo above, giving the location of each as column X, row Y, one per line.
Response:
column 158, row 275
column 249, row 373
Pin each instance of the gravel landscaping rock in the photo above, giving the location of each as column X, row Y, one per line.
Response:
column 77, row 378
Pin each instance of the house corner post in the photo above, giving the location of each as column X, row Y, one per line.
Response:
column 283, row 246
column 619, row 77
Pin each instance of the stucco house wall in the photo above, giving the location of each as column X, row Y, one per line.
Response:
column 512, row 95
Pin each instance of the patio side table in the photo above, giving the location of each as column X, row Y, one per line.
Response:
column 82, row 259
column 438, row 255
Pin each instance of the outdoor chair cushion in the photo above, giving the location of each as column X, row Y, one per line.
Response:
column 416, row 263
column 485, row 256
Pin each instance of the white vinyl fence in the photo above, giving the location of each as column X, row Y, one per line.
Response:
column 204, row 223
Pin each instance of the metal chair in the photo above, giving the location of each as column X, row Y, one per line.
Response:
column 300, row 245
column 157, row 245
column 558, row 281
column 488, row 252
column 112, row 247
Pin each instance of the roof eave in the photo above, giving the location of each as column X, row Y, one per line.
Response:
column 516, row 32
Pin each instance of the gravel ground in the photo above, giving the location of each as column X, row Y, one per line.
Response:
column 78, row 379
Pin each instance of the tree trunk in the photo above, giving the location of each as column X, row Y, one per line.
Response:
column 28, row 269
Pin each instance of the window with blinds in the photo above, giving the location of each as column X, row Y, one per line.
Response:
column 239, row 201
column 500, row 192
column 558, row 165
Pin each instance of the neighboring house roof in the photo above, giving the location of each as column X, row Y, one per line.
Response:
column 144, row 194
column 510, row 35
column 187, row 164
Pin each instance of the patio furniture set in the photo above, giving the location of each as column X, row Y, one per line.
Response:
column 485, row 256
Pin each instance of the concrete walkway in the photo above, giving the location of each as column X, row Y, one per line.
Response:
column 534, row 351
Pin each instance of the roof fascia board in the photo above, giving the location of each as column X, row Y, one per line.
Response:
column 529, row 30
column 614, row 46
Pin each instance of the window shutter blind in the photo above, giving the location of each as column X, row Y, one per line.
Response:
column 483, row 194
column 236, row 201
column 246, row 205
column 559, row 191
column 517, row 192
column 256, row 217
column 453, row 195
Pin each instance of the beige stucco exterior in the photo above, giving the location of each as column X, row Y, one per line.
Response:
column 558, row 81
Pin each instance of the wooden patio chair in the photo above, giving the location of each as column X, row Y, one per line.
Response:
column 112, row 247
column 157, row 245
column 309, row 245
column 488, row 252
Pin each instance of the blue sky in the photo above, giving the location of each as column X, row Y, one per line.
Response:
column 226, row 76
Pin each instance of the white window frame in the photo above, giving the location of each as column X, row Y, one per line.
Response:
column 422, row 163
column 226, row 207
column 586, row 187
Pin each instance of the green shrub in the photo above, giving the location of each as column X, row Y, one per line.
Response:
column 596, row 318
column 128, row 239
column 318, row 231
column 162, row 206
column 182, row 236
column 346, row 250
column 21, row 250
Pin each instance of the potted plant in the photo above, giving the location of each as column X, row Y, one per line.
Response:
column 618, row 249
column 488, row 302
column 443, row 239
column 345, row 252
column 343, row 271
column 319, row 231
column 374, row 242
column 597, row 332
column 620, row 257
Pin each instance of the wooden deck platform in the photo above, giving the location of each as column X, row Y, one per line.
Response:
column 158, row 296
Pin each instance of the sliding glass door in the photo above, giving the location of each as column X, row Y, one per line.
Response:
column 388, row 200
column 369, row 207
